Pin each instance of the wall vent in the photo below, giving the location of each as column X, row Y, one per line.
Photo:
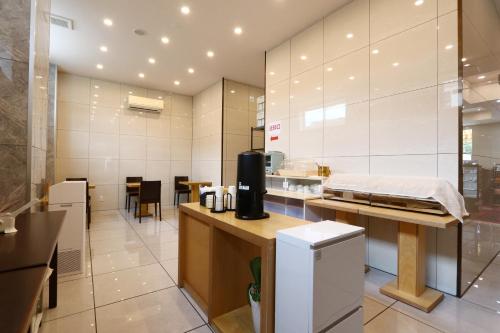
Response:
column 60, row 21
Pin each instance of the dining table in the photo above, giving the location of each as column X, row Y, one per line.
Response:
column 194, row 186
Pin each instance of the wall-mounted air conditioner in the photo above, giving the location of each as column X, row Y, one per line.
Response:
column 145, row 104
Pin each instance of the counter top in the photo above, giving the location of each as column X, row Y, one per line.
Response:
column 19, row 290
column 34, row 242
column 264, row 229
column 429, row 220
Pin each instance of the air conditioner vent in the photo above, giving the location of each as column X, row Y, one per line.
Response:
column 63, row 22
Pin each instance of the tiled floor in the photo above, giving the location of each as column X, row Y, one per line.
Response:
column 129, row 286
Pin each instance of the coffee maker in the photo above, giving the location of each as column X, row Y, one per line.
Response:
column 250, row 186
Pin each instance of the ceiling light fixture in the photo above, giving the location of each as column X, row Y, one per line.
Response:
column 232, row 91
column 108, row 22
column 152, row 60
column 185, row 10
column 296, row 81
column 349, row 36
column 103, row 48
column 160, row 97
column 376, row 51
column 449, row 46
column 464, row 59
column 395, row 64
column 238, row 30
column 190, row 70
column 176, row 82
column 303, row 57
column 95, row 95
column 272, row 73
column 329, row 69
column 210, row 54
column 96, row 86
column 99, row 66
column 481, row 77
column 165, row 40
column 141, row 75
column 351, row 78
column 419, row 3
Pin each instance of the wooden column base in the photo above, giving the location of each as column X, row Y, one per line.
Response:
column 427, row 301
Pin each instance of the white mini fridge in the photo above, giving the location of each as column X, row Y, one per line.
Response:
column 70, row 197
column 320, row 278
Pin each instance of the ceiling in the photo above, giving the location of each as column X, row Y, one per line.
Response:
column 208, row 26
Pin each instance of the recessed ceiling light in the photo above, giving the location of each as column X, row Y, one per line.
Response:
column 95, row 95
column 351, row 77
column 481, row 77
column 210, row 54
column 190, row 70
column 99, row 66
column 318, row 88
column 103, row 48
column 108, row 22
column 272, row 73
column 165, row 40
column 273, row 91
column 96, row 86
column 176, row 82
column 160, row 97
column 466, row 65
column 152, row 60
column 449, row 47
column 464, row 59
column 303, row 57
column 329, row 69
column 376, row 51
column 349, row 35
column 130, row 93
column 238, row 30
column 185, row 10
column 296, row 81
column 141, row 75
column 395, row 64
column 232, row 91
column 419, row 2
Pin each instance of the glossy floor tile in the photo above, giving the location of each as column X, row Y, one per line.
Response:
column 83, row 322
column 134, row 289
column 72, row 297
column 163, row 311
column 127, row 283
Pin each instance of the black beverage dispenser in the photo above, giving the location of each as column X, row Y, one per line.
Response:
column 251, row 186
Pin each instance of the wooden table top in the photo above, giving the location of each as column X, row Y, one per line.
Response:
column 133, row 185
column 19, row 290
column 195, row 182
column 254, row 230
column 429, row 220
column 34, row 242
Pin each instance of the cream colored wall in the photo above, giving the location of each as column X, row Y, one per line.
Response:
column 207, row 134
column 373, row 88
column 240, row 114
column 99, row 138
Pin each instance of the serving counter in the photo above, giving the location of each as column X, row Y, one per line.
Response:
column 215, row 250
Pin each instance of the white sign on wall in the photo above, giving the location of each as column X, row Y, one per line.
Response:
column 274, row 130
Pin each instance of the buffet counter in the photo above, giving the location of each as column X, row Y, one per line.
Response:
column 215, row 250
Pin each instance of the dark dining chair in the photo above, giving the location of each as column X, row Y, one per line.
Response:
column 87, row 204
column 180, row 188
column 149, row 192
column 131, row 192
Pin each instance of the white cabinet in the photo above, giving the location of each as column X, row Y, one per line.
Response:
column 319, row 278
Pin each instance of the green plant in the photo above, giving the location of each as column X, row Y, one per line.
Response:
column 254, row 287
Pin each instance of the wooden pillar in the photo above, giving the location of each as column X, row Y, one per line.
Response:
column 409, row 287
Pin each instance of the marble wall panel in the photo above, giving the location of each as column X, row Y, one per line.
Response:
column 13, row 184
column 15, row 29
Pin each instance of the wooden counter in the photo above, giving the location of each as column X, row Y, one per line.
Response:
column 409, row 287
column 214, row 255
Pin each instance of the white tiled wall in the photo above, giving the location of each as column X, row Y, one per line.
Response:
column 240, row 114
column 373, row 88
column 207, row 134
column 99, row 138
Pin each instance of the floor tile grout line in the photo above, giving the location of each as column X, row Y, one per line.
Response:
column 194, row 329
column 415, row 318
column 69, row 315
column 132, row 297
column 369, row 321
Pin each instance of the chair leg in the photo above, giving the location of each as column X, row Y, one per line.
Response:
column 159, row 204
column 156, row 211
column 174, row 198
column 126, row 197
column 178, row 194
column 135, row 209
column 128, row 209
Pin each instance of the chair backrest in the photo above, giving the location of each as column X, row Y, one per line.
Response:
column 81, row 180
column 150, row 191
column 133, row 180
column 178, row 186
